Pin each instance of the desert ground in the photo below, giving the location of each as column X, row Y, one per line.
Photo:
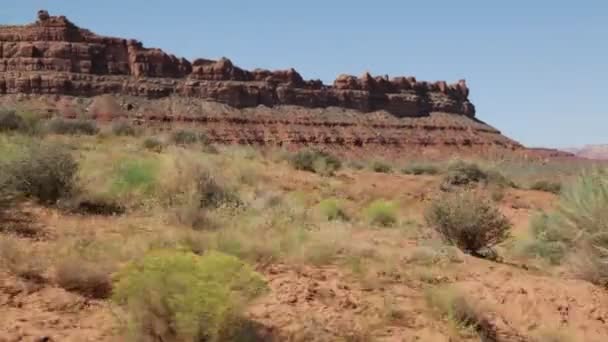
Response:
column 339, row 248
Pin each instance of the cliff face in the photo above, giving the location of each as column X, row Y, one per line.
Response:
column 54, row 56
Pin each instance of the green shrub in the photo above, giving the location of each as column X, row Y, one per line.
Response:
column 180, row 296
column 315, row 161
column 71, row 127
column 123, row 128
column 582, row 211
column 550, row 241
column 470, row 223
column 420, row 169
column 138, row 175
column 10, row 121
column 186, row 137
column 382, row 213
column 44, row 172
column 382, row 167
column 547, row 186
column 331, row 209
column 153, row 144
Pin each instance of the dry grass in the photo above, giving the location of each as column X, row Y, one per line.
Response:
column 18, row 260
column 90, row 279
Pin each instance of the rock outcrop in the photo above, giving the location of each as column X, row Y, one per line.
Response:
column 54, row 56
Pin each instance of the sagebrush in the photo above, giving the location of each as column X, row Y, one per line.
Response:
column 180, row 296
column 468, row 221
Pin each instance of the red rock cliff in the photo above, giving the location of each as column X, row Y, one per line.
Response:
column 54, row 56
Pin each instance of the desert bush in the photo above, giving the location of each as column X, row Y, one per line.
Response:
column 315, row 161
column 382, row 167
column 180, row 296
column 87, row 278
column 455, row 306
column 186, row 137
column 123, row 128
column 71, row 126
column 44, row 172
column 331, row 209
column 547, row 186
column 582, row 210
column 462, row 173
column 10, row 121
column 470, row 223
column 192, row 189
column 420, row 169
column 549, row 241
column 382, row 213
column 153, row 144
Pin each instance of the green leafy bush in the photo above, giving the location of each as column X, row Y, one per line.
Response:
column 382, row 167
column 470, row 223
column 382, row 213
column 180, row 296
column 331, row 209
column 44, row 172
column 547, row 186
column 315, row 161
column 420, row 169
column 71, row 127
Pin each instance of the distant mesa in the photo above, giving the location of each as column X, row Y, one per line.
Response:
column 54, row 56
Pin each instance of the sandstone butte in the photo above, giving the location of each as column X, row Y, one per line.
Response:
column 55, row 59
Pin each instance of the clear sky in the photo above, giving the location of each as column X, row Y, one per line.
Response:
column 537, row 69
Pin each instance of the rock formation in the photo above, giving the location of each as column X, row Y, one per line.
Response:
column 54, row 56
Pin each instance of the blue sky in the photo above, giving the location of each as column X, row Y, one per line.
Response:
column 538, row 70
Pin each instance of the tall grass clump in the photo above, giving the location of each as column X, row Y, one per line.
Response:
column 331, row 209
column 381, row 167
column 469, row 222
column 123, row 128
column 582, row 211
column 180, row 296
column 550, row 241
column 455, row 306
column 382, row 213
column 133, row 176
column 190, row 190
column 315, row 161
column 547, row 186
column 46, row 173
column 420, row 169
column 71, row 127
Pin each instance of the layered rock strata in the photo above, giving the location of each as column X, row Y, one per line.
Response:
column 54, row 56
